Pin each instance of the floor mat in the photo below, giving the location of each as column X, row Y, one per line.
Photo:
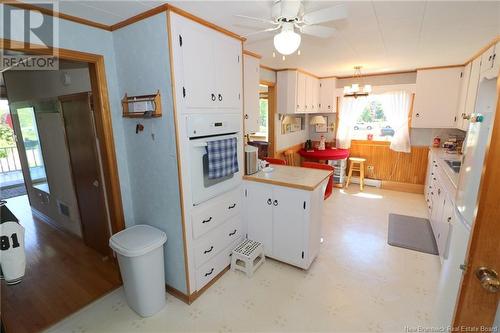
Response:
column 413, row 233
column 12, row 192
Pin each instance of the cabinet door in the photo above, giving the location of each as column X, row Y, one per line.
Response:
column 289, row 226
column 315, row 95
column 227, row 64
column 464, row 85
column 444, row 227
column 496, row 58
column 470, row 102
column 487, row 59
column 326, row 95
column 309, row 94
column 436, row 98
column 259, row 214
column 251, row 93
column 301, row 92
column 196, row 45
column 437, row 209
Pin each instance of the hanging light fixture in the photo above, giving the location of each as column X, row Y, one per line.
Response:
column 287, row 41
column 355, row 90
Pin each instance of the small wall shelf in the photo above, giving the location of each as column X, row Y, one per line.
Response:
column 142, row 106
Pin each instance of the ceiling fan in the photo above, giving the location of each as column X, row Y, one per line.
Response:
column 289, row 17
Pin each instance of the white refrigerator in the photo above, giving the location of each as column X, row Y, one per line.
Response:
column 477, row 140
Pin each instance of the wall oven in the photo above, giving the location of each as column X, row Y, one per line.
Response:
column 201, row 130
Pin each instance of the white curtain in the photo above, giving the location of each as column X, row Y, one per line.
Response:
column 396, row 106
column 349, row 113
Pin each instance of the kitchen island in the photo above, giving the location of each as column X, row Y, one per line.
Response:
column 283, row 211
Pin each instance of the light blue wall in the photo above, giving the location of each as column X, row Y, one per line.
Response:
column 143, row 67
column 83, row 38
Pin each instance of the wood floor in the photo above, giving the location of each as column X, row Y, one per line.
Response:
column 62, row 276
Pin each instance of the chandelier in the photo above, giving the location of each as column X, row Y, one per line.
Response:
column 355, row 89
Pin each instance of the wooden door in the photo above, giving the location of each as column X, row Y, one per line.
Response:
column 195, row 43
column 289, row 227
column 259, row 214
column 81, row 139
column 476, row 305
column 228, row 65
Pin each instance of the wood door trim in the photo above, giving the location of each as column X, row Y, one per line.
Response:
column 103, row 119
column 469, row 312
column 267, row 67
column 271, row 118
column 252, row 54
column 177, row 150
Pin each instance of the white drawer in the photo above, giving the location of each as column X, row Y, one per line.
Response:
column 214, row 212
column 212, row 268
column 216, row 240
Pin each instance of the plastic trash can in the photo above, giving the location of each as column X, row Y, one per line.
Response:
column 140, row 256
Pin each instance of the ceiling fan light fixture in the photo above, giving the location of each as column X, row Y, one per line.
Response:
column 287, row 41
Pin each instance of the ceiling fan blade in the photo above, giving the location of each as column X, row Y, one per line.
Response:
column 290, row 8
column 258, row 19
column 318, row 31
column 325, row 15
column 261, row 31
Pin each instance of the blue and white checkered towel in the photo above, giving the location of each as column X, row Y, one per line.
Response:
column 222, row 158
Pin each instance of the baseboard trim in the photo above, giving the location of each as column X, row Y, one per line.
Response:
column 198, row 293
column 177, row 294
column 368, row 182
column 402, row 187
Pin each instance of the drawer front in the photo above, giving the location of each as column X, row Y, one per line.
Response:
column 215, row 241
column 212, row 268
column 214, row 212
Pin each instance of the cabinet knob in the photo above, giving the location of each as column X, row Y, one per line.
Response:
column 449, row 219
column 417, row 115
column 246, row 116
column 213, row 97
column 220, row 98
column 269, row 201
column 305, row 106
column 275, row 203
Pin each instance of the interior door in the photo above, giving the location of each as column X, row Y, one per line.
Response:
column 196, row 43
column 478, row 298
column 259, row 214
column 81, row 138
column 228, row 65
column 288, row 224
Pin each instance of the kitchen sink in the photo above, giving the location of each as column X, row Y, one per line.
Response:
column 454, row 165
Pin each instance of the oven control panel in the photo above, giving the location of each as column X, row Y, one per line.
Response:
column 213, row 124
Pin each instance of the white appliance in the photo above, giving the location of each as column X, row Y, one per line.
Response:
column 478, row 137
column 203, row 128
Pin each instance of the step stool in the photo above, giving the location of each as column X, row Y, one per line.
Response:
column 247, row 257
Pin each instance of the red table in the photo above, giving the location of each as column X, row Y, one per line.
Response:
column 327, row 154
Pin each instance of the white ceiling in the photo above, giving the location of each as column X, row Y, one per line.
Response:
column 381, row 36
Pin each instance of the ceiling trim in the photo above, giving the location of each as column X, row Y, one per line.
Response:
column 267, row 67
column 484, row 48
column 252, row 54
column 76, row 19
column 139, row 17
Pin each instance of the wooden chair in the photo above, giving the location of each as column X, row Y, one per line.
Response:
column 289, row 157
column 316, row 165
column 358, row 165
column 275, row 161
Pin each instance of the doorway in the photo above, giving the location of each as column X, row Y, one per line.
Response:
column 72, row 206
column 264, row 139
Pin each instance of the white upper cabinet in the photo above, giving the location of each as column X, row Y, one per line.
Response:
column 461, row 122
column 327, row 100
column 207, row 67
column 470, row 101
column 297, row 92
column 251, row 73
column 436, row 98
column 490, row 59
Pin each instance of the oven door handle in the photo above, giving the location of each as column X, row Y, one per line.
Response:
column 200, row 144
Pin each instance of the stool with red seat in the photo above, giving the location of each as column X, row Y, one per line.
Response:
column 315, row 165
column 275, row 161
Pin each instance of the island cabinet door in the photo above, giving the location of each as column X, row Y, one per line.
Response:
column 259, row 213
column 290, row 225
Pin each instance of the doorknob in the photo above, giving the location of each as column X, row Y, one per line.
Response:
column 488, row 279
column 95, row 183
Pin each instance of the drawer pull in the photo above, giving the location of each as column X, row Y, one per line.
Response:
column 206, row 221
column 209, row 273
column 232, row 206
column 209, row 250
column 232, row 233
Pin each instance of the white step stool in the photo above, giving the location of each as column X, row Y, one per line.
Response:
column 247, row 257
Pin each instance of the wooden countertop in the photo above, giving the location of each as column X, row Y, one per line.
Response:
column 295, row 177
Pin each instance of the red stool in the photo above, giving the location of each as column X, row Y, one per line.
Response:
column 275, row 161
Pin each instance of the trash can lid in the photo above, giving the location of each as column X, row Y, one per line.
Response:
column 137, row 240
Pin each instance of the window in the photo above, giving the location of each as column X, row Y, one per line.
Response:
column 263, row 121
column 372, row 122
